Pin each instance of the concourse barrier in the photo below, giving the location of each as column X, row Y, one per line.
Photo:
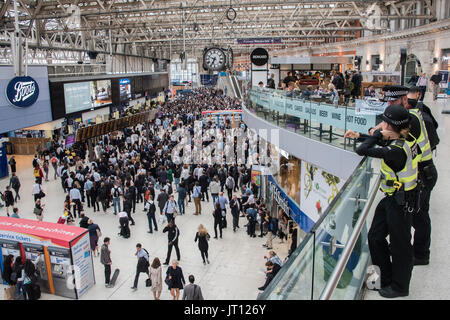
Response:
column 331, row 262
column 315, row 118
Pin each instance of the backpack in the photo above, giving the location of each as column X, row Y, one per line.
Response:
column 36, row 173
column 54, row 160
column 170, row 190
column 34, row 163
column 229, row 183
column 116, row 192
column 147, row 195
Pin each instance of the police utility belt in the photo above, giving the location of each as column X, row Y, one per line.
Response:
column 407, row 200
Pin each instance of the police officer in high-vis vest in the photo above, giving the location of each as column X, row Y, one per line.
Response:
column 427, row 139
column 423, row 129
column 399, row 156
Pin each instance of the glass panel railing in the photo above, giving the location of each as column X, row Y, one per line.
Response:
column 311, row 267
column 317, row 118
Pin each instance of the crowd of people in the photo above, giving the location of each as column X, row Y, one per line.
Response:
column 136, row 166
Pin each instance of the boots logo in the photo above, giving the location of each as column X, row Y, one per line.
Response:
column 22, row 92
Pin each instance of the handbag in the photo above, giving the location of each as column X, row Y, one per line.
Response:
column 37, row 211
column 99, row 233
column 148, row 282
column 167, row 280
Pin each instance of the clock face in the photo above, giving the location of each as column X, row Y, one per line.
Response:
column 214, row 59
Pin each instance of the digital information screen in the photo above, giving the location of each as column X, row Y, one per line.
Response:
column 77, row 96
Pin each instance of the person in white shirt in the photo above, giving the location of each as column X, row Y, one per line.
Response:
column 96, row 176
column 35, row 190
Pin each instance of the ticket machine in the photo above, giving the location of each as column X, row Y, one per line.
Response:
column 32, row 252
column 62, row 274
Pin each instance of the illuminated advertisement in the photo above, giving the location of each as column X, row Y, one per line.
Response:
column 318, row 189
column 125, row 89
column 101, row 92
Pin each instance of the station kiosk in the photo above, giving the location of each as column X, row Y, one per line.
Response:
column 65, row 266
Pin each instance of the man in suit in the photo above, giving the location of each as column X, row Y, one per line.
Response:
column 235, row 209
column 192, row 291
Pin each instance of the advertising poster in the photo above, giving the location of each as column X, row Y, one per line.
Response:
column 70, row 140
column 77, row 96
column 125, row 89
column 256, row 177
column 380, row 76
column 444, row 74
column 101, row 92
column 318, row 189
column 81, row 254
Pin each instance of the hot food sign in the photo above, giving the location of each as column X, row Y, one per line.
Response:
column 22, row 92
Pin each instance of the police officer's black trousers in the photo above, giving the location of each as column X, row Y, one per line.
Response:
column 421, row 220
column 390, row 219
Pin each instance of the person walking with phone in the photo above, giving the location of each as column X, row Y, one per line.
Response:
column 173, row 234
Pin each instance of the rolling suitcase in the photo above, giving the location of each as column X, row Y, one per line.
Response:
column 113, row 280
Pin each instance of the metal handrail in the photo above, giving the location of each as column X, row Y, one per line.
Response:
column 345, row 256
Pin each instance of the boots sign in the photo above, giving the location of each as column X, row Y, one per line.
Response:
column 22, row 92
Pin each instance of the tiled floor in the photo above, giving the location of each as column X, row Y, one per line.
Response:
column 433, row 281
column 237, row 261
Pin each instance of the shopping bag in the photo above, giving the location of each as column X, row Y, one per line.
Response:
column 162, row 219
column 10, row 293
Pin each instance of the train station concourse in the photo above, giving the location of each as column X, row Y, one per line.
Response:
column 230, row 151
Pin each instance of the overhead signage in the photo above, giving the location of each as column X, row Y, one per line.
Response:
column 259, row 41
column 259, row 57
column 22, row 92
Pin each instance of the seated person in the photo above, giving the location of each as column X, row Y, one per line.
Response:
column 370, row 92
column 307, row 93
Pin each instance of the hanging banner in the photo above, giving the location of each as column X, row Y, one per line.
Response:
column 259, row 41
column 370, row 106
column 318, row 189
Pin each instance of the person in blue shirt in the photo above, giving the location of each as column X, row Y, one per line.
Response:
column 15, row 213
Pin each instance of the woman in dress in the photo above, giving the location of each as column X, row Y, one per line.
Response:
column 156, row 277
column 176, row 279
column 203, row 236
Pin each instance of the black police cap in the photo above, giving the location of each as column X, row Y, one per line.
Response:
column 396, row 115
column 393, row 92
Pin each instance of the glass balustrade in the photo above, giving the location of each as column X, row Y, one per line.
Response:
column 308, row 270
column 315, row 118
